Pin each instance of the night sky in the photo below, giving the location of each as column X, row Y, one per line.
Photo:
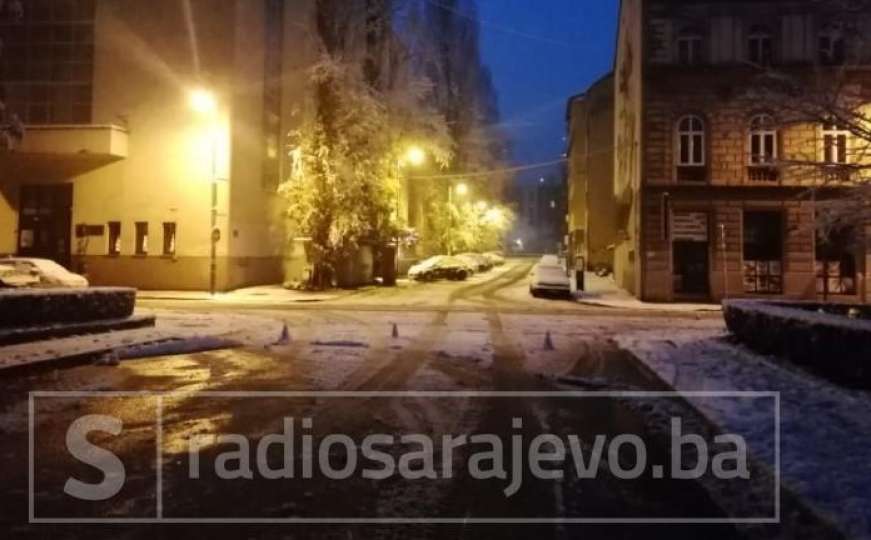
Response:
column 541, row 52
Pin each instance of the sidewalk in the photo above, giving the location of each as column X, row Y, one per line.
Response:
column 825, row 429
column 267, row 294
column 604, row 292
column 174, row 333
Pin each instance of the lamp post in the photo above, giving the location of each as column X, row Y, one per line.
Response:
column 205, row 104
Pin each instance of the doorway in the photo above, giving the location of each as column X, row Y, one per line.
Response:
column 690, row 252
column 45, row 222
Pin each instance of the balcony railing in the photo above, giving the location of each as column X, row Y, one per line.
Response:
column 762, row 174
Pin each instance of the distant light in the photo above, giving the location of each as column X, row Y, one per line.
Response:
column 553, row 204
column 462, row 189
column 541, row 180
column 203, row 101
column 415, row 156
column 495, row 216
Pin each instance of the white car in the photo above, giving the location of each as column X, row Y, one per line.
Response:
column 27, row 272
column 549, row 277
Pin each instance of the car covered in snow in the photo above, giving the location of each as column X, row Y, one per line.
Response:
column 476, row 261
column 440, row 267
column 549, row 277
column 495, row 258
column 18, row 272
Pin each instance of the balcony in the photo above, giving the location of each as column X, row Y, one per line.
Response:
column 65, row 151
column 762, row 174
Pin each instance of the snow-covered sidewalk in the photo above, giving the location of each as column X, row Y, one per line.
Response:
column 825, row 429
column 174, row 333
column 604, row 292
column 267, row 294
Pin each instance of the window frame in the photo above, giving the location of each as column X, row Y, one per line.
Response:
column 756, row 46
column 835, row 54
column 764, row 274
column 696, row 140
column 170, row 238
column 834, row 140
column 764, row 129
column 694, row 49
column 114, row 233
column 141, row 240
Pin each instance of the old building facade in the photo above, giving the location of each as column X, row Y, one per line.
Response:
column 153, row 137
column 711, row 205
column 592, row 209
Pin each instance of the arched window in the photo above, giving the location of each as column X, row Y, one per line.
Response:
column 759, row 46
column 763, row 140
column 691, row 141
column 689, row 47
column 835, row 140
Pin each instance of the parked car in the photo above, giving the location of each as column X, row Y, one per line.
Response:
column 495, row 258
column 478, row 262
column 549, row 277
column 28, row 272
column 440, row 267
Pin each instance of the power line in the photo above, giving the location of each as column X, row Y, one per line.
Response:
column 520, row 168
column 502, row 28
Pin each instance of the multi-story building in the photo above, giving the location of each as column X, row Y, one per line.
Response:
column 153, row 137
column 710, row 206
column 592, row 210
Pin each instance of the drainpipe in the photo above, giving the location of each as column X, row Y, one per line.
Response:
column 725, row 261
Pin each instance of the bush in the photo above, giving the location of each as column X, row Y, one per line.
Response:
column 820, row 337
column 40, row 307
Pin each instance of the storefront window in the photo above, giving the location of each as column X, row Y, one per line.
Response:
column 763, row 252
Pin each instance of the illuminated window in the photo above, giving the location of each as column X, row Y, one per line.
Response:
column 114, row 238
column 835, row 140
column 141, row 238
column 836, row 262
column 169, row 238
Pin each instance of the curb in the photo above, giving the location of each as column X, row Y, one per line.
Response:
column 18, row 336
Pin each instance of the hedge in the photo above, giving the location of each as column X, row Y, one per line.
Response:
column 40, row 307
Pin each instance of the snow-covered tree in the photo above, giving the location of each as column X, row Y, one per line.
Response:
column 367, row 105
column 11, row 128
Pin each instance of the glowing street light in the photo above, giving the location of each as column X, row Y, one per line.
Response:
column 415, row 156
column 203, row 102
column 462, row 189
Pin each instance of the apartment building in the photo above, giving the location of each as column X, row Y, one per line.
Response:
column 710, row 205
column 154, row 133
column 592, row 211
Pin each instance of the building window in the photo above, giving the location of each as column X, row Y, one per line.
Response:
column 114, row 238
column 141, row 238
column 169, row 232
column 836, row 262
column 759, row 46
column 763, row 140
column 763, row 252
column 47, row 62
column 691, row 149
column 832, row 48
column 689, row 48
column 835, row 139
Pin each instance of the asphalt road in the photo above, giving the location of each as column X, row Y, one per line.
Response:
column 480, row 338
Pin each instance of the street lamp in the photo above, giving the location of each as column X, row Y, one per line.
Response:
column 415, row 156
column 204, row 103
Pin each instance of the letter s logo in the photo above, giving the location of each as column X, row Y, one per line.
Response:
column 100, row 458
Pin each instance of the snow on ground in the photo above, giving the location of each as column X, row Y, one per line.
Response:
column 604, row 292
column 825, row 429
column 468, row 339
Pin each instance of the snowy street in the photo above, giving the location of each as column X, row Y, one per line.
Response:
column 486, row 335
